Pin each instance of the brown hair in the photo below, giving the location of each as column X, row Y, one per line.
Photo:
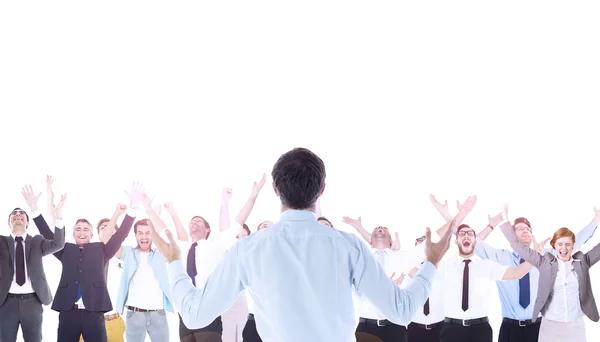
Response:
column 142, row 222
column 522, row 220
column 245, row 227
column 102, row 222
column 561, row 233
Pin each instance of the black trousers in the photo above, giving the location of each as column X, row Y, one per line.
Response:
column 473, row 333
column 211, row 332
column 249, row 334
column 72, row 324
column 370, row 330
column 420, row 333
column 512, row 331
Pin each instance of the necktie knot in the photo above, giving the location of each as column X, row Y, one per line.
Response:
column 467, row 261
column 194, row 244
column 19, row 238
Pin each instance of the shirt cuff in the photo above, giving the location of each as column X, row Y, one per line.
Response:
column 59, row 224
column 36, row 214
column 427, row 270
column 132, row 212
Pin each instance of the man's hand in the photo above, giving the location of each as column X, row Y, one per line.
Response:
column 434, row 252
column 49, row 182
column 396, row 243
column 494, row 221
column 354, row 223
column 169, row 208
column 596, row 215
column 257, row 186
column 443, row 209
column 468, row 206
column 135, row 196
column 227, row 194
column 169, row 250
column 30, row 197
column 504, row 213
column 120, row 209
column 398, row 280
column 58, row 208
column 539, row 246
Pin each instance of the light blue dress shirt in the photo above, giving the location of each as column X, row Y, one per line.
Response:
column 509, row 289
column 300, row 275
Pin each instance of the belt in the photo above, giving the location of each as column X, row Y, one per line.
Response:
column 133, row 308
column 466, row 322
column 250, row 317
column 21, row 295
column 520, row 323
column 111, row 316
column 377, row 322
column 428, row 326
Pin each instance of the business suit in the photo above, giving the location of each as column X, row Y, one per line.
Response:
column 548, row 266
column 86, row 268
column 25, row 309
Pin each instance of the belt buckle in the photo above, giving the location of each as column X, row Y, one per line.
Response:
column 427, row 327
column 464, row 323
column 380, row 325
column 522, row 324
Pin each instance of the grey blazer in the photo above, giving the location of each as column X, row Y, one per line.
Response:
column 548, row 266
column 35, row 248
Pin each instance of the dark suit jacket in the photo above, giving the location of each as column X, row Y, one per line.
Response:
column 86, row 266
column 548, row 267
column 35, row 248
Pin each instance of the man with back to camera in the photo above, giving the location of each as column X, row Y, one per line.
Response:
column 23, row 285
column 300, row 274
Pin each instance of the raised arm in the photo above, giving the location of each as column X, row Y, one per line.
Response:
column 528, row 254
column 108, row 231
column 244, row 213
column 442, row 208
column 588, row 231
column 182, row 234
column 50, row 201
column 357, row 224
column 113, row 246
column 463, row 211
column 224, row 219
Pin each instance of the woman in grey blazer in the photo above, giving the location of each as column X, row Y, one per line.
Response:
column 564, row 288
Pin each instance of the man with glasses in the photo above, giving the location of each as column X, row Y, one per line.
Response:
column 23, row 286
column 466, row 284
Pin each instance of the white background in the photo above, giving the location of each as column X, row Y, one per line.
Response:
column 400, row 100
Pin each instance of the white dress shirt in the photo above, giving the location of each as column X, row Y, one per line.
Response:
column 113, row 279
column 393, row 263
column 301, row 276
column 482, row 274
column 564, row 305
column 436, row 304
column 209, row 252
column 14, row 287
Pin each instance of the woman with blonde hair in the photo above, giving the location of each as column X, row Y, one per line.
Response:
column 564, row 288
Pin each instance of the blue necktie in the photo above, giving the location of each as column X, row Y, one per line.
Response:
column 524, row 289
column 78, row 293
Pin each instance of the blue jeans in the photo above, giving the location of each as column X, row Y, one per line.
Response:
column 154, row 323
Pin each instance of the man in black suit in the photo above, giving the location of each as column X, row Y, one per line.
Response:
column 82, row 297
column 23, row 286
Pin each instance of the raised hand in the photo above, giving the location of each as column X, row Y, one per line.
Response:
column 539, row 246
column 120, row 209
column 58, row 208
column 353, row 222
column 169, row 207
column 147, row 202
column 30, row 197
column 169, row 250
column 396, row 243
column 441, row 208
column 596, row 215
column 136, row 194
column 398, row 280
column 434, row 252
column 468, row 206
column 504, row 213
column 257, row 186
column 227, row 193
column 494, row 221
column 49, row 182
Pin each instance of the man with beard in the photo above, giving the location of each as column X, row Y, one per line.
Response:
column 466, row 290
column 145, row 289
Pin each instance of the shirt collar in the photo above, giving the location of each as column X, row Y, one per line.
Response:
column 24, row 236
column 298, row 215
